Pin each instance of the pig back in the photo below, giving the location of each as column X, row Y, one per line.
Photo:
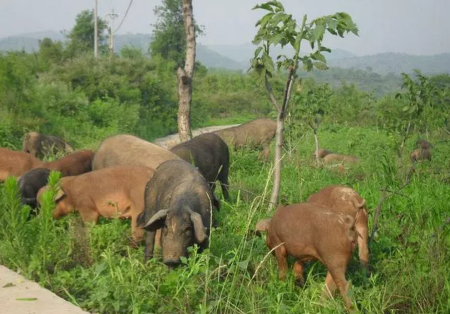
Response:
column 253, row 133
column 128, row 150
column 338, row 198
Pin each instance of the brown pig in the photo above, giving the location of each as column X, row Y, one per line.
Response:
column 420, row 154
column 308, row 232
column 421, row 143
column 322, row 152
column 253, row 134
column 347, row 201
column 72, row 165
column 110, row 192
column 339, row 158
column 14, row 163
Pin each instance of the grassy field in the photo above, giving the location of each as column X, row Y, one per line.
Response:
column 96, row 268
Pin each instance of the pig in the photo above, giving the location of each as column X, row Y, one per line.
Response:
column 178, row 201
column 329, row 158
column 347, row 201
column 39, row 145
column 72, row 165
column 253, row 134
column 129, row 150
column 322, row 152
column 209, row 153
column 14, row 163
column 421, row 143
column 110, row 192
column 421, row 154
column 30, row 184
column 308, row 232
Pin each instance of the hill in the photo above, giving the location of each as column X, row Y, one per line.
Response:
column 30, row 42
column 385, row 63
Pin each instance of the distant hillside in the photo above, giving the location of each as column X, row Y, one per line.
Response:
column 385, row 63
column 30, row 43
column 237, row 57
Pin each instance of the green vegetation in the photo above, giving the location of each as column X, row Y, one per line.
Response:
column 84, row 100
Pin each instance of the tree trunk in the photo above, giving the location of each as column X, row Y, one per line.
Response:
column 279, row 140
column 316, row 139
column 185, row 75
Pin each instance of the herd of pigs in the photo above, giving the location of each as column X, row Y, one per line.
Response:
column 169, row 195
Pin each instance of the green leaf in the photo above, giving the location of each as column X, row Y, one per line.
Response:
column 320, row 66
column 257, row 51
column 332, row 31
column 277, row 38
column 265, row 6
column 268, row 63
column 322, row 48
column 318, row 32
column 318, row 56
column 307, row 64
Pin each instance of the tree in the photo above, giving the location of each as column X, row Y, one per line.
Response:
column 418, row 98
column 311, row 104
column 186, row 74
column 50, row 51
column 81, row 37
column 279, row 28
column 169, row 35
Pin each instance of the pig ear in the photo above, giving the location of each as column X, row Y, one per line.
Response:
column 199, row 228
column 156, row 221
column 359, row 205
column 60, row 194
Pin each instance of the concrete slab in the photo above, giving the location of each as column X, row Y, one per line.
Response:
column 21, row 296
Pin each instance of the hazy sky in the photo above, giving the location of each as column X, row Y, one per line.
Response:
column 410, row 26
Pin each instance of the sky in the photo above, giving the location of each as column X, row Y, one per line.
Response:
column 417, row 27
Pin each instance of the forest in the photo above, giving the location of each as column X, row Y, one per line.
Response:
column 63, row 90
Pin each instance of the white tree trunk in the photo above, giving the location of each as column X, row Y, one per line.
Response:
column 316, row 139
column 279, row 140
column 185, row 75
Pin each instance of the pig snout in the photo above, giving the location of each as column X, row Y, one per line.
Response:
column 172, row 262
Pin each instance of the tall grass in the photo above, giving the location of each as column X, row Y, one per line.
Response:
column 96, row 268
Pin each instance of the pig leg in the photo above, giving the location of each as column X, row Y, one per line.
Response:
column 361, row 228
column 281, row 255
column 149, row 243
column 338, row 276
column 266, row 152
column 223, row 179
column 298, row 273
column 330, row 285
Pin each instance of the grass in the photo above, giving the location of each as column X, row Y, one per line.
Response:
column 96, row 268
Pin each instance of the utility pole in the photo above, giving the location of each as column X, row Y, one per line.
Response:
column 95, row 30
column 112, row 16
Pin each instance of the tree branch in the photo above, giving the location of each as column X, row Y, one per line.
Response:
column 271, row 95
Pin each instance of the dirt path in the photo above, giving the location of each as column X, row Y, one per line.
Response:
column 21, row 296
column 170, row 141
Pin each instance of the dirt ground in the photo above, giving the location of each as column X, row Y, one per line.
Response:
column 21, row 296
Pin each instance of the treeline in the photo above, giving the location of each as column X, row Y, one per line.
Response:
column 63, row 90
column 85, row 99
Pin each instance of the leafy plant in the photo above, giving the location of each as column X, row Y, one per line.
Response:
column 279, row 28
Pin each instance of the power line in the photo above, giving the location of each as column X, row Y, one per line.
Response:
column 128, row 9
